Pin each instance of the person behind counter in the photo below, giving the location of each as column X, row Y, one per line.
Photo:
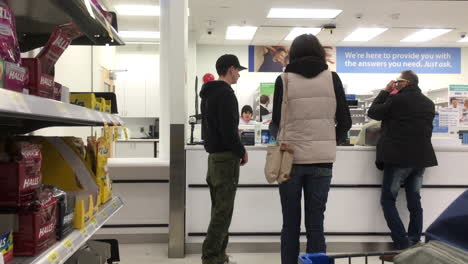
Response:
column 246, row 115
column 318, row 114
column 265, row 114
column 403, row 152
column 220, row 122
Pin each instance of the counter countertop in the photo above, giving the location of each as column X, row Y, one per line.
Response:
column 138, row 162
column 437, row 148
column 139, row 140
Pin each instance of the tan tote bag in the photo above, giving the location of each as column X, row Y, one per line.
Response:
column 279, row 159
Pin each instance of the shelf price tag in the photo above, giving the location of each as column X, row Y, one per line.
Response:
column 116, row 132
column 103, row 117
column 84, row 231
column 107, row 131
column 68, row 244
column 94, row 222
column 19, row 104
column 104, row 214
column 61, row 108
column 53, row 257
column 89, row 115
column 115, row 205
column 125, row 132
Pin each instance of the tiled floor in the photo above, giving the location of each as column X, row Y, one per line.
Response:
column 157, row 254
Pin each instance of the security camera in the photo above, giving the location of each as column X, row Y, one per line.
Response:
column 462, row 34
column 210, row 25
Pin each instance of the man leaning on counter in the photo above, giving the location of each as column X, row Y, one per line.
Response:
column 403, row 152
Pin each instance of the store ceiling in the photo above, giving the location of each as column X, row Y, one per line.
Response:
column 403, row 17
column 135, row 23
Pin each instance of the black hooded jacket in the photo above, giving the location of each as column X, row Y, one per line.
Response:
column 406, row 129
column 310, row 67
column 220, row 119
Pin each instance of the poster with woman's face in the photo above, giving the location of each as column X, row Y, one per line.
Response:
column 276, row 58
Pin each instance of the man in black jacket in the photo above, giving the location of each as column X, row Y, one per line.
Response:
column 220, row 121
column 404, row 151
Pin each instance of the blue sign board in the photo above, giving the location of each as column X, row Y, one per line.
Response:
column 436, row 126
column 396, row 60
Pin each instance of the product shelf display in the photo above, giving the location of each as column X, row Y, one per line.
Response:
column 22, row 113
column 98, row 26
column 64, row 249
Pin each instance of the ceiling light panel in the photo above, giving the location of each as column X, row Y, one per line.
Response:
column 139, row 34
column 303, row 13
column 425, row 35
column 295, row 32
column 240, row 32
column 138, row 10
column 365, row 34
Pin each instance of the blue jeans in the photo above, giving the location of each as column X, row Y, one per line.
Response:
column 316, row 183
column 412, row 180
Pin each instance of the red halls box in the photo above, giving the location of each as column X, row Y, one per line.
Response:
column 57, row 91
column 13, row 77
column 40, row 84
column 21, row 177
column 36, row 230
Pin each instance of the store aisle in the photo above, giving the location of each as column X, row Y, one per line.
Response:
column 157, row 253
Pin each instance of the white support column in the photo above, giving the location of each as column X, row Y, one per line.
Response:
column 173, row 78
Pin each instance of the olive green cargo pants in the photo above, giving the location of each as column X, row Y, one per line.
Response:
column 222, row 178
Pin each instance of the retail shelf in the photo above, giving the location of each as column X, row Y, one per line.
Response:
column 35, row 21
column 21, row 113
column 64, row 249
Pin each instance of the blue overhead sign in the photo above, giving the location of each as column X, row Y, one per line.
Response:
column 396, row 60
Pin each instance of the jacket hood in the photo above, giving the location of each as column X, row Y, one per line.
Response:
column 214, row 88
column 308, row 67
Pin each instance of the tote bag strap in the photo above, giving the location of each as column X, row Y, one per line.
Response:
column 285, row 104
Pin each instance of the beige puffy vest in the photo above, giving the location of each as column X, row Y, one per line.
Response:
column 310, row 118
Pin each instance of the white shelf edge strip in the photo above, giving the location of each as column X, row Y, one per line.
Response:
column 33, row 106
column 64, row 249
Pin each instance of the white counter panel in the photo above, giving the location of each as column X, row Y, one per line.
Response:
column 354, row 165
column 258, row 210
column 145, row 203
column 349, row 210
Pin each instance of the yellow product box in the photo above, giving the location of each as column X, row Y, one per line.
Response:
column 99, row 152
column 98, row 106
column 64, row 166
column 102, row 103
column 87, row 100
column 108, row 106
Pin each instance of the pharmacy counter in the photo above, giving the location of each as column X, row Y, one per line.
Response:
column 353, row 210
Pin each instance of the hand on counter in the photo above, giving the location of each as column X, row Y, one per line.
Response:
column 245, row 159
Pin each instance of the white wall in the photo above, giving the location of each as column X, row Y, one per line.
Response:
column 355, row 83
column 103, row 57
column 79, row 69
column 141, row 65
column 74, row 67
